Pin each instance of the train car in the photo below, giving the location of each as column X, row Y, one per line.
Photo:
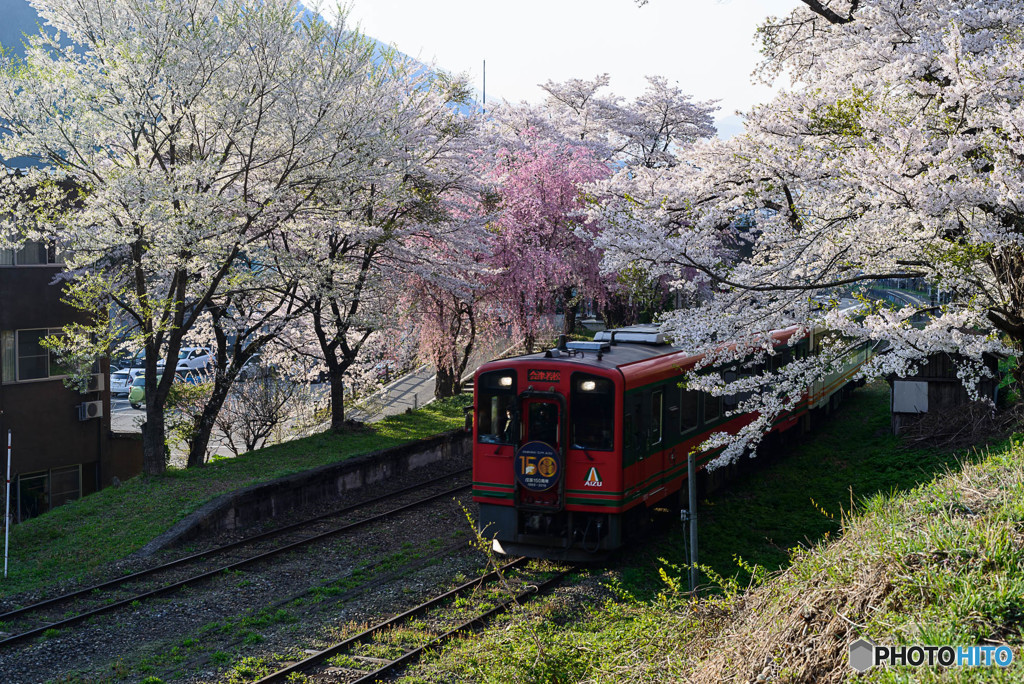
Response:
column 573, row 447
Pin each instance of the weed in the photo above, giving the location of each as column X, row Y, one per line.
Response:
column 344, row 661
column 250, row 669
column 252, row 638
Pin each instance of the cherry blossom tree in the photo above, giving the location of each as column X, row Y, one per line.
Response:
column 354, row 261
column 897, row 153
column 447, row 293
column 256, row 309
column 543, row 255
column 189, row 133
column 445, row 320
column 648, row 131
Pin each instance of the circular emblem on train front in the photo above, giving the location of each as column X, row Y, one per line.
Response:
column 537, row 466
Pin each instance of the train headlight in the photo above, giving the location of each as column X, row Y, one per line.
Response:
column 505, row 381
column 588, row 386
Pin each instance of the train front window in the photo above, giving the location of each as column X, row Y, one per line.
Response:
column 496, row 419
column 592, row 411
column 543, row 423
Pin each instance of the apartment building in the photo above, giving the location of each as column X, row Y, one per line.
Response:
column 61, row 444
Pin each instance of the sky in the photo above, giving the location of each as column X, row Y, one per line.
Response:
column 706, row 47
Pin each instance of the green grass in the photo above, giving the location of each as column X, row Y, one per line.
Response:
column 933, row 554
column 71, row 541
column 799, row 496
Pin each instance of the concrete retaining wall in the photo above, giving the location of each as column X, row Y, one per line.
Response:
column 244, row 507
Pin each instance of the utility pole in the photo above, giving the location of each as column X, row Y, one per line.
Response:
column 691, row 517
column 7, row 505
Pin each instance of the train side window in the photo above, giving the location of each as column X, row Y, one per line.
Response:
column 657, row 406
column 712, row 408
column 730, row 400
column 633, row 427
column 592, row 412
column 496, row 419
column 744, row 396
column 688, row 416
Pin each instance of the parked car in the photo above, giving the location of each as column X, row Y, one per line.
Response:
column 254, row 368
column 385, row 370
column 125, row 361
column 192, row 358
column 121, row 381
column 137, row 393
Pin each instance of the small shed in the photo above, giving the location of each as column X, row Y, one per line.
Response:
column 936, row 388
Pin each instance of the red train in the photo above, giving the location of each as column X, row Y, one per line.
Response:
column 573, row 447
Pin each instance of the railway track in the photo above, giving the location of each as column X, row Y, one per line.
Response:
column 76, row 607
column 399, row 641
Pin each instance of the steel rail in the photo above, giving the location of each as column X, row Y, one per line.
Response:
column 317, row 658
column 220, row 549
column 75, row 619
column 411, row 656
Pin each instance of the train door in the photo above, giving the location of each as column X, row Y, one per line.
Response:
column 543, row 422
column 634, row 441
column 540, row 461
column 654, row 463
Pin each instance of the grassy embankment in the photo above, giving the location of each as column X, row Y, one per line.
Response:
column 931, row 553
column 73, row 540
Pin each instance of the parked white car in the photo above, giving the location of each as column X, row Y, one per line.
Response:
column 192, row 359
column 121, row 381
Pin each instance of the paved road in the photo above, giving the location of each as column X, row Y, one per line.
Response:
column 407, row 392
column 898, row 297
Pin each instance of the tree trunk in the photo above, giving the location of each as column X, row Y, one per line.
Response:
column 570, row 307
column 446, row 382
column 204, row 430
column 154, row 446
column 337, row 398
column 154, row 451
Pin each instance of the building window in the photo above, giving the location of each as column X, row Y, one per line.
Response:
column 8, row 356
column 41, row 491
column 25, row 357
column 32, row 254
column 65, row 485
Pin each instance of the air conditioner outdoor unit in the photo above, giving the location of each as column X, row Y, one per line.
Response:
column 95, row 382
column 88, row 410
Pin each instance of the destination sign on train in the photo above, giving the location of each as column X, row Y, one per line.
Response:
column 541, row 375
